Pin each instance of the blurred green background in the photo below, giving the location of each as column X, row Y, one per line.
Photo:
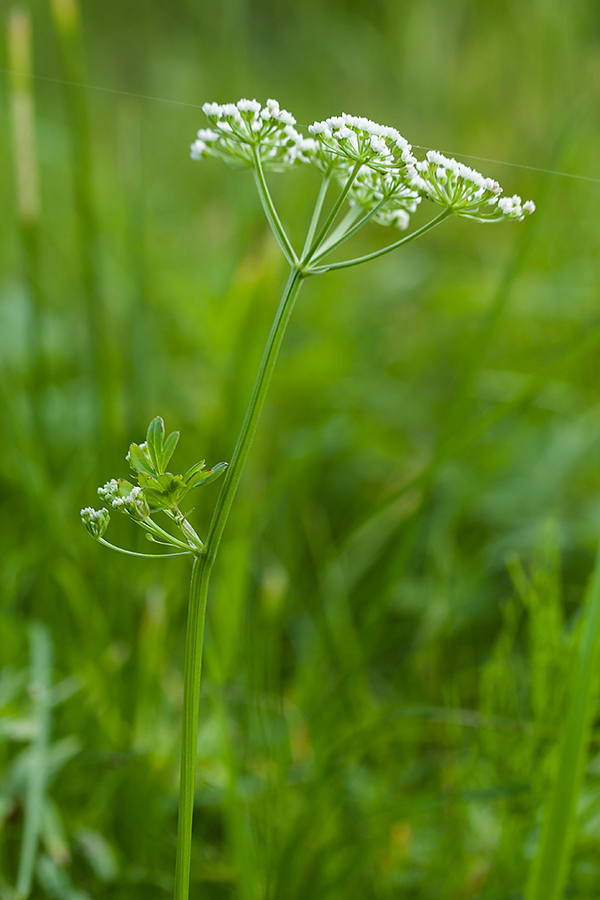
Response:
column 391, row 613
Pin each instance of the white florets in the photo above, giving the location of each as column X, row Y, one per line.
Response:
column 241, row 131
column 514, row 208
column 360, row 140
column 465, row 191
column 386, row 173
column 248, row 106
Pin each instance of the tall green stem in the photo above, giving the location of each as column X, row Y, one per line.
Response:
column 191, row 698
column 199, row 585
column 248, row 430
column 205, row 559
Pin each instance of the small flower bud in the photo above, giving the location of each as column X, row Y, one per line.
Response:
column 95, row 520
column 134, row 504
column 109, row 491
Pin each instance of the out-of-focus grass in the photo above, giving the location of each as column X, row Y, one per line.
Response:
column 384, row 681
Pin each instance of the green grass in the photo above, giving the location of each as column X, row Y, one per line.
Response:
column 394, row 614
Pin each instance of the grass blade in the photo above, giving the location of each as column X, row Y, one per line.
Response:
column 41, row 682
column 27, row 195
column 66, row 18
column 550, row 867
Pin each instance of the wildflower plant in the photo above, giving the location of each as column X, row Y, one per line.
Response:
column 377, row 177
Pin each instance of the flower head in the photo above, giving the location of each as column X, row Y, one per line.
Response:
column 465, row 191
column 359, row 140
column 240, row 130
column 95, row 520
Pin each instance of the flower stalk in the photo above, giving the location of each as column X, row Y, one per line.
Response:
column 189, row 728
column 201, row 573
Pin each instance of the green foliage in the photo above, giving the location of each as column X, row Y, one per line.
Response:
column 382, row 703
column 149, row 461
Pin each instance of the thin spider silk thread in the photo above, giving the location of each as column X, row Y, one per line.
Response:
column 107, row 90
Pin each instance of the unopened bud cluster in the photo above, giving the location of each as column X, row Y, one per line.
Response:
column 377, row 158
column 95, row 520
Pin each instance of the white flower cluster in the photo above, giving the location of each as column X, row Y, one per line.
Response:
column 239, row 130
column 360, row 140
column 465, row 191
column 388, row 167
column 95, row 520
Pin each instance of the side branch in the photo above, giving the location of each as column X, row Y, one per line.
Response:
column 377, row 253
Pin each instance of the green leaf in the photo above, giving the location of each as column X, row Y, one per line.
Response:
column 155, row 437
column 149, row 481
column 138, row 460
column 170, row 483
column 156, row 499
column 125, row 487
column 196, row 468
column 168, row 450
column 162, row 490
column 207, row 477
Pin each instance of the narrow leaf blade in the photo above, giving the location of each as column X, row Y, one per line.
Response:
column 168, row 450
column 155, row 437
column 138, row 460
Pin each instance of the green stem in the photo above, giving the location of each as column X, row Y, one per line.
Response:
column 348, row 220
column 333, row 214
column 200, row 579
column 191, row 697
column 377, row 253
column 204, row 562
column 271, row 213
column 240, row 454
column 345, row 232
column 191, row 536
column 316, row 214
column 151, row 526
column 145, row 555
